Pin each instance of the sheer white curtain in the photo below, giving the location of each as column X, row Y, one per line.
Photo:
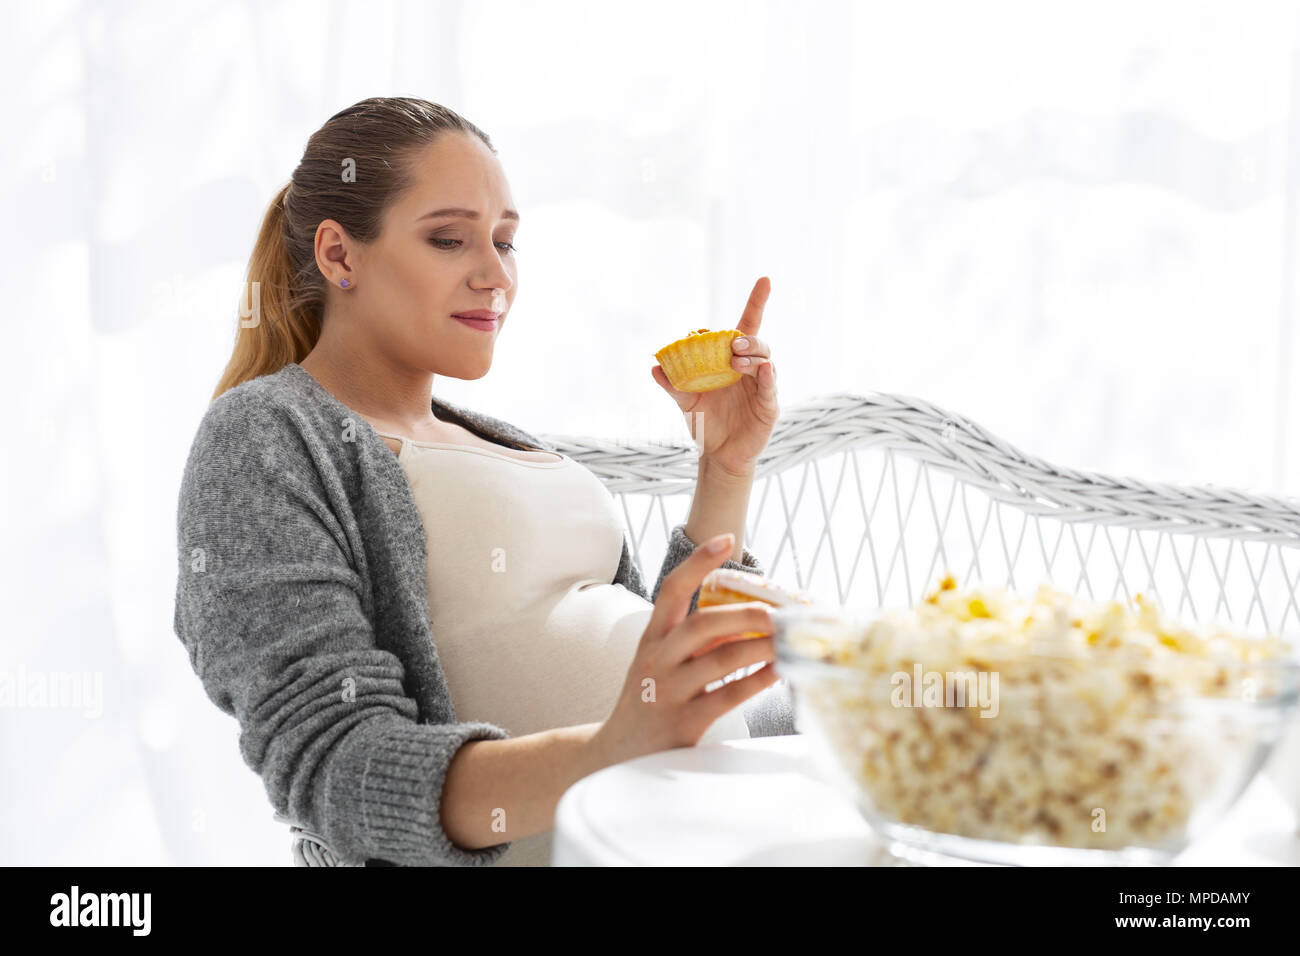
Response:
column 1074, row 224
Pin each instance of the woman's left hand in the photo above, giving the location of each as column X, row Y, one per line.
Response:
column 731, row 425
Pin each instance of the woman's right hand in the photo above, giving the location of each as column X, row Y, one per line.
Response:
column 663, row 703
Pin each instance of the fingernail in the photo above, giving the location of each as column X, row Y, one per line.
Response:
column 721, row 543
column 742, row 343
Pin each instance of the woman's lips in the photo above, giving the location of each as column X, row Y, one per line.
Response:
column 479, row 320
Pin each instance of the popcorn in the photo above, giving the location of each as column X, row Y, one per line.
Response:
column 1100, row 737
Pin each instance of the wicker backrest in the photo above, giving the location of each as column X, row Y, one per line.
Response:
column 868, row 500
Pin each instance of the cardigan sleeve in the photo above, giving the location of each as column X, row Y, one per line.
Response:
column 269, row 608
column 770, row 712
column 680, row 547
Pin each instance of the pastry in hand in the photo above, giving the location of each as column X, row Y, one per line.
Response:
column 701, row 362
column 729, row 586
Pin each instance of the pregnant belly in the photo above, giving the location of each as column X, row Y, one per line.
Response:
column 555, row 663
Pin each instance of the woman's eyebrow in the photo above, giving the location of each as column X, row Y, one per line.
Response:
column 461, row 213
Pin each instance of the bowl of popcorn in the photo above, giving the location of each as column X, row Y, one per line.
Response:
column 1042, row 729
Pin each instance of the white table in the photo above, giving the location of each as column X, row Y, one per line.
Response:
column 762, row 802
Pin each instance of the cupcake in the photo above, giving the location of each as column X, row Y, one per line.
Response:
column 729, row 586
column 701, row 362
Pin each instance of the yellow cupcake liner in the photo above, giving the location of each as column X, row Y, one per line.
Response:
column 701, row 362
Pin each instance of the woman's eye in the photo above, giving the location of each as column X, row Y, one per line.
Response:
column 437, row 239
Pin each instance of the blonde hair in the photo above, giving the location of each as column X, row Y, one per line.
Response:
column 284, row 294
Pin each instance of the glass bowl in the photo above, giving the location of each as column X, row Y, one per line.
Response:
column 1037, row 755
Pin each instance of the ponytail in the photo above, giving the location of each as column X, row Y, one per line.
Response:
column 274, row 326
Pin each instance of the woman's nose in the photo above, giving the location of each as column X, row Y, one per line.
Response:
column 493, row 273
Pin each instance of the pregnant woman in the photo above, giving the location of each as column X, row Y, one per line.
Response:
column 427, row 622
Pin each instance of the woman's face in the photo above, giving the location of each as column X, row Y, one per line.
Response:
column 423, row 269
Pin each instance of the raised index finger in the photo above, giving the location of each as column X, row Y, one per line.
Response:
column 752, row 317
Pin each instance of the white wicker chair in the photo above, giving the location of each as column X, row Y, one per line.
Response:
column 868, row 500
column 893, row 532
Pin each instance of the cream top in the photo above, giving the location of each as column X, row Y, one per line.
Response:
column 531, row 634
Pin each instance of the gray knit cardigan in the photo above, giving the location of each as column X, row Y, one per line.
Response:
column 301, row 599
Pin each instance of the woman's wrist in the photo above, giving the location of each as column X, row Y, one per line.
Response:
column 605, row 748
column 720, row 504
column 722, row 472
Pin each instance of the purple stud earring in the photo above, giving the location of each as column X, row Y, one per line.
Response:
column 345, row 283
